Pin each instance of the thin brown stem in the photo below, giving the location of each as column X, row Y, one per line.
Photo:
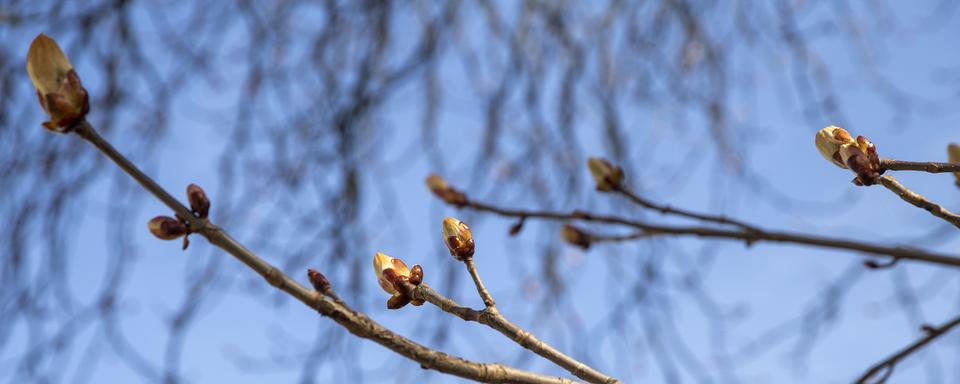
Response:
column 749, row 237
column 668, row 210
column 888, row 364
column 353, row 321
column 492, row 318
column 923, row 166
column 481, row 289
column 919, row 201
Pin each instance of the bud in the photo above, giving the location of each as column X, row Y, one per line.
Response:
column 383, row 263
column 445, row 192
column 199, row 203
column 607, row 176
column 437, row 184
column 457, row 237
column 861, row 157
column 58, row 87
column 953, row 156
column 575, row 236
column 318, row 280
column 829, row 140
column 166, row 228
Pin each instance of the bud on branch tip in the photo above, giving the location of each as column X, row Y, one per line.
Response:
column 59, row 90
column 608, row 176
column 837, row 146
column 457, row 237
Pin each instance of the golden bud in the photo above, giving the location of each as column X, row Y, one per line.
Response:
column 383, row 263
column 457, row 237
column 829, row 141
column 166, row 228
column 607, row 176
column 58, row 87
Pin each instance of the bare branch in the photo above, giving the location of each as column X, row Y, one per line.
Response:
column 888, row 364
column 907, row 253
column 666, row 209
column 354, row 321
column 923, row 166
column 919, row 201
column 492, row 318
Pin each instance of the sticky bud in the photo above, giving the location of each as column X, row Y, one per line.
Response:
column 199, row 203
column 575, row 236
column 383, row 263
column 457, row 237
column 59, row 90
column 607, row 176
column 166, row 228
column 318, row 280
column 829, row 140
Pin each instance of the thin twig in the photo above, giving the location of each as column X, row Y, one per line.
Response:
column 601, row 238
column 666, row 209
column 355, row 322
column 749, row 237
column 481, row 289
column 492, row 318
column 889, row 363
column 919, row 201
column 923, row 166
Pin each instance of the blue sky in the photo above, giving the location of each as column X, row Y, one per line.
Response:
column 767, row 284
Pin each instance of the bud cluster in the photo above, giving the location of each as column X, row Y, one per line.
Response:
column 169, row 228
column 837, row 146
column 397, row 280
column 445, row 192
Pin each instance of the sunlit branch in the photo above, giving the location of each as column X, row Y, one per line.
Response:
column 749, row 237
column 923, row 166
column 919, row 201
column 355, row 322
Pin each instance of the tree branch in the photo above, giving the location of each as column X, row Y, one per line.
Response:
column 919, row 201
column 888, row 364
column 923, row 166
column 666, row 209
column 355, row 322
column 492, row 318
column 749, row 237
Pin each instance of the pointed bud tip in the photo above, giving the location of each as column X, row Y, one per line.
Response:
column 607, row 176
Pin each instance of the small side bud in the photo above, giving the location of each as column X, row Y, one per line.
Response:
column 59, row 90
column 416, row 275
column 199, row 203
column 457, row 237
column 607, row 176
column 318, row 281
column 166, row 228
column 575, row 236
column 953, row 156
